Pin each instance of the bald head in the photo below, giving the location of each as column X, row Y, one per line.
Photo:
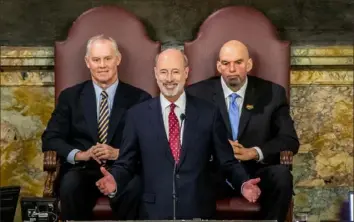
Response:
column 171, row 53
column 234, row 47
column 171, row 73
column 234, row 63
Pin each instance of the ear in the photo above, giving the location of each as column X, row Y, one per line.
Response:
column 249, row 64
column 87, row 61
column 119, row 59
column 218, row 66
column 155, row 70
column 186, row 71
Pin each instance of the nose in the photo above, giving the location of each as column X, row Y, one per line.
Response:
column 169, row 77
column 102, row 63
column 232, row 67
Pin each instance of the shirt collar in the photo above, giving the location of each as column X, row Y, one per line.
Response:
column 111, row 90
column 227, row 91
column 180, row 102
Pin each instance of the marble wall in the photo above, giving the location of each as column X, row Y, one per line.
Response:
column 321, row 105
column 322, row 108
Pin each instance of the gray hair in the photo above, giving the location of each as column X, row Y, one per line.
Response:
column 178, row 48
column 101, row 37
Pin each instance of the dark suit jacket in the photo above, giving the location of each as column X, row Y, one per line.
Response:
column 145, row 140
column 73, row 124
column 265, row 119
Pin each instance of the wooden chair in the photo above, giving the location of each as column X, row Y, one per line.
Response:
column 136, row 68
column 271, row 58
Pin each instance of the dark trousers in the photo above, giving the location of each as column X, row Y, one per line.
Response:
column 276, row 186
column 78, row 196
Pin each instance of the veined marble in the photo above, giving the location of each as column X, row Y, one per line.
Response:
column 322, row 51
column 25, row 112
column 24, row 78
column 321, row 77
column 323, row 117
column 320, row 203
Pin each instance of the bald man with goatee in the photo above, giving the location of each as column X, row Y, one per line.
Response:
column 259, row 126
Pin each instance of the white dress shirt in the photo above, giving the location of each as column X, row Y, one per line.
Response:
column 239, row 100
column 179, row 110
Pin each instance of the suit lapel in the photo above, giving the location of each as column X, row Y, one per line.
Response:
column 248, row 104
column 156, row 123
column 89, row 107
column 191, row 121
column 118, row 109
column 219, row 100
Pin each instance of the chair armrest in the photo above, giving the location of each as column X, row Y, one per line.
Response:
column 286, row 158
column 51, row 165
column 50, row 161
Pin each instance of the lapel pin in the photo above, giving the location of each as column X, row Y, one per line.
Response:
column 249, row 107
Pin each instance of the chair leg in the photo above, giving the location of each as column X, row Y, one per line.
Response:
column 289, row 216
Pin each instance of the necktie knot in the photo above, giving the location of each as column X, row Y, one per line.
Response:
column 172, row 107
column 233, row 97
column 104, row 94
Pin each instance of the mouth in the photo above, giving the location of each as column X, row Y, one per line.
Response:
column 170, row 85
column 233, row 77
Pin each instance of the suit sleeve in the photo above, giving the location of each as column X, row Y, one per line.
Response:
column 125, row 166
column 144, row 96
column 55, row 135
column 285, row 135
column 230, row 166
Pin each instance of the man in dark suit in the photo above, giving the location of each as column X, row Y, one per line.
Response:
column 174, row 136
column 259, row 125
column 86, row 132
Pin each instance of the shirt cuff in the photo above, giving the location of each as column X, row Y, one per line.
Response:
column 71, row 157
column 260, row 154
column 113, row 194
column 242, row 188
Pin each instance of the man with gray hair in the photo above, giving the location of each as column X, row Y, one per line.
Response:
column 86, row 131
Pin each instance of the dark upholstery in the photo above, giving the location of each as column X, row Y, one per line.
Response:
column 271, row 61
column 236, row 208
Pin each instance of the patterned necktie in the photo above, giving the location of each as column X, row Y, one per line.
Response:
column 234, row 115
column 103, row 119
column 173, row 132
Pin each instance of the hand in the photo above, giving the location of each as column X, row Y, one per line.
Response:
column 86, row 155
column 242, row 153
column 107, row 183
column 105, row 152
column 250, row 190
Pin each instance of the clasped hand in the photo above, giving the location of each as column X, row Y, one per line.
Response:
column 99, row 152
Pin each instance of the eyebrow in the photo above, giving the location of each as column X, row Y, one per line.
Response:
column 165, row 70
column 238, row 60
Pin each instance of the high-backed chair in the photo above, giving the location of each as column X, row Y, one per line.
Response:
column 271, row 58
column 136, row 68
